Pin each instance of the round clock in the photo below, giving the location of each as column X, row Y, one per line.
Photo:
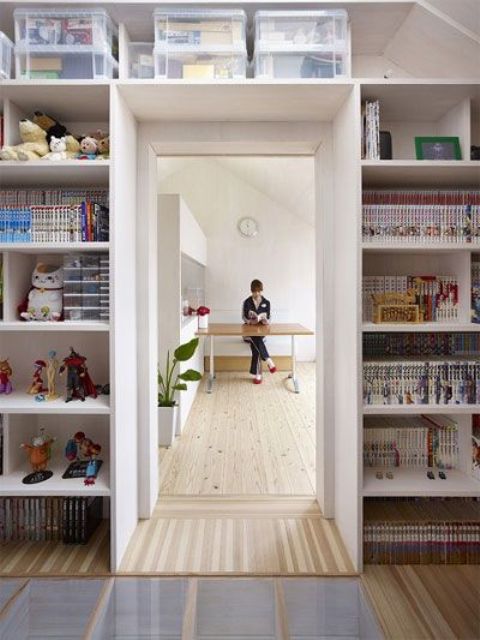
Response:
column 248, row 227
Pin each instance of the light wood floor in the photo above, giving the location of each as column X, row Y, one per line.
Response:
column 56, row 559
column 246, row 439
column 435, row 602
column 286, row 536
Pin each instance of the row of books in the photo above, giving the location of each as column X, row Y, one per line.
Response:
column 1, row 444
column 475, row 291
column 371, row 130
column 421, row 383
column 85, row 222
column 420, row 217
column 420, row 344
column 411, row 442
column 421, row 531
column 56, row 519
column 435, row 296
column 28, row 197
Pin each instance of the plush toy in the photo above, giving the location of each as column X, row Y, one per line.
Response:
column 103, row 148
column 98, row 134
column 50, row 125
column 5, row 375
column 79, row 383
column 45, row 299
column 58, row 149
column 88, row 148
column 34, row 143
column 73, row 147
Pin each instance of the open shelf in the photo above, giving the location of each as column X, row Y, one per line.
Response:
column 420, row 173
column 18, row 402
column 419, row 409
column 64, row 173
column 439, row 247
column 18, row 325
column 51, row 247
column 421, row 327
column 414, row 482
column 11, row 484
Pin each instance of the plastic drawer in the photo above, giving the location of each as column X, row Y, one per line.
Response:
column 309, row 64
column 76, row 63
column 6, row 48
column 200, row 27
column 81, row 299
column 82, row 313
column 72, row 287
column 301, row 28
column 140, row 60
column 206, row 65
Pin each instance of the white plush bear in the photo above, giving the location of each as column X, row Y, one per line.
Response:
column 58, row 149
column 45, row 300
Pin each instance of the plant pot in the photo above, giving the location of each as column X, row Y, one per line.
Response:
column 167, row 425
column 203, row 322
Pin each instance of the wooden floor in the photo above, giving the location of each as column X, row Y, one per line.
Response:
column 286, row 536
column 416, row 602
column 56, row 559
column 246, row 439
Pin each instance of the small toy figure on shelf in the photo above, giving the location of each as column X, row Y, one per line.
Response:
column 93, row 465
column 37, row 382
column 88, row 148
column 58, row 149
column 5, row 375
column 79, row 383
column 52, row 367
column 39, row 452
column 82, row 453
column 44, row 301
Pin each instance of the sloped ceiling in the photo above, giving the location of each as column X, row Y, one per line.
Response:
column 465, row 12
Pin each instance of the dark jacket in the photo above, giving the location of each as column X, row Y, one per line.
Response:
column 249, row 305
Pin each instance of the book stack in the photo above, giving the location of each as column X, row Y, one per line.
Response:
column 435, row 296
column 420, row 344
column 86, row 294
column 1, row 444
column 21, row 198
column 421, row 531
column 69, row 520
column 475, row 290
column 476, row 446
column 420, row 217
column 421, row 383
column 371, row 130
column 416, row 442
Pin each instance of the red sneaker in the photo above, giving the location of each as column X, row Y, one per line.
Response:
column 272, row 369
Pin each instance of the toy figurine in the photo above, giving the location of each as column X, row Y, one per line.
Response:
column 52, row 367
column 44, row 301
column 93, row 465
column 79, row 383
column 78, row 447
column 39, row 453
column 37, row 382
column 5, row 375
column 82, row 454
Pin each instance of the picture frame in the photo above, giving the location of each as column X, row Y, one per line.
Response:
column 437, row 148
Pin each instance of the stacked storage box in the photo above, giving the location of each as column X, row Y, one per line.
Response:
column 6, row 47
column 199, row 44
column 64, row 44
column 85, row 287
column 302, row 44
column 140, row 60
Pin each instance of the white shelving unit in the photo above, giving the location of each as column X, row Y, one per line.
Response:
column 147, row 118
column 413, row 482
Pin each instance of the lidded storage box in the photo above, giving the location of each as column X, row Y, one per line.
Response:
column 200, row 44
column 140, row 60
column 302, row 44
column 65, row 44
column 6, row 47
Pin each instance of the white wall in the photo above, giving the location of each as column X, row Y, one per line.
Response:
column 278, row 192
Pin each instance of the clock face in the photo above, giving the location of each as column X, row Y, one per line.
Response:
column 248, row 227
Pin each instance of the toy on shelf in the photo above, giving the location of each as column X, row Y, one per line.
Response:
column 34, row 143
column 54, row 128
column 58, row 149
column 103, row 147
column 88, row 148
column 39, row 452
column 83, row 454
column 37, row 383
column 45, row 299
column 79, row 383
column 52, row 368
column 5, row 375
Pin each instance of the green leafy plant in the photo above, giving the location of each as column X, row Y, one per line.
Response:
column 169, row 382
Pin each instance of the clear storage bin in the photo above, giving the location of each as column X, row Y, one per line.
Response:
column 140, row 60
column 6, row 47
column 191, row 64
column 75, row 314
column 80, row 27
column 200, row 27
column 276, row 63
column 64, row 62
column 300, row 28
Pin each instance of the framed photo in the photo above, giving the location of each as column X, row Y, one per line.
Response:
column 437, row 148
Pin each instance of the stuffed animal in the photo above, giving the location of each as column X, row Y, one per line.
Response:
column 45, row 299
column 103, row 148
column 55, row 129
column 34, row 143
column 58, row 149
column 73, row 147
column 88, row 148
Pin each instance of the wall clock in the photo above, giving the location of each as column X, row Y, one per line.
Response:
column 248, row 227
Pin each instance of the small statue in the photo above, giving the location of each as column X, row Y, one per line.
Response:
column 37, row 382
column 93, row 465
column 52, row 368
column 79, row 383
column 5, row 375
column 39, row 452
column 82, row 453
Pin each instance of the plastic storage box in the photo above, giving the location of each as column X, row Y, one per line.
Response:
column 65, row 44
column 200, row 28
column 86, row 293
column 302, row 44
column 6, row 47
column 190, row 64
column 140, row 60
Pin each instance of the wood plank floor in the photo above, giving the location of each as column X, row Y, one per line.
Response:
column 246, row 439
column 216, row 536
column 57, row 559
column 415, row 602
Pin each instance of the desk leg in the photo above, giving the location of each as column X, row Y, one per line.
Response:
column 293, row 375
column 211, row 373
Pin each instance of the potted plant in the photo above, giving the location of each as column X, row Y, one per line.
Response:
column 168, row 383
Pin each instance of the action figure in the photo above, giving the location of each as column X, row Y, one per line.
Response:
column 52, row 367
column 39, row 452
column 79, row 383
column 37, row 382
